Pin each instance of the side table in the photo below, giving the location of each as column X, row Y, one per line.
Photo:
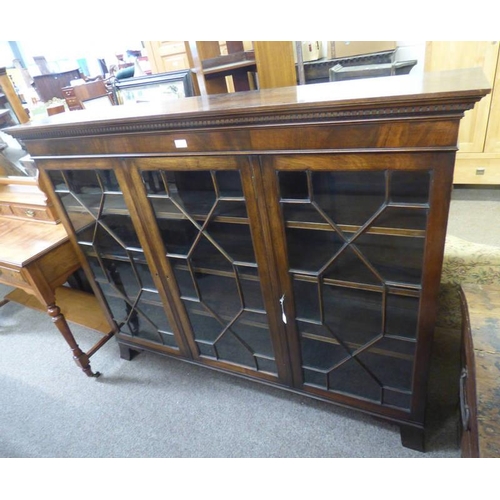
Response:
column 37, row 259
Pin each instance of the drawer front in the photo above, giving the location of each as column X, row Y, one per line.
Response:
column 11, row 276
column 30, row 213
column 5, row 210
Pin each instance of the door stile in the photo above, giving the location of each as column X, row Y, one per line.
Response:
column 154, row 251
column 439, row 202
column 263, row 237
column 283, row 292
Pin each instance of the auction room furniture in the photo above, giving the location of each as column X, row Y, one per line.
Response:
column 36, row 258
column 76, row 95
column 12, row 98
column 478, row 161
column 49, row 86
column 292, row 236
column 212, row 61
column 480, row 379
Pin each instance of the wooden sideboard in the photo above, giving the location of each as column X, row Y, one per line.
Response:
column 292, row 236
column 49, row 86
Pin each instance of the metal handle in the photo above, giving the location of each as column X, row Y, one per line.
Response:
column 464, row 407
column 282, row 303
column 29, row 212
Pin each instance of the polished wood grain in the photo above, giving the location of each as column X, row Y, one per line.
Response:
column 480, row 395
column 404, row 126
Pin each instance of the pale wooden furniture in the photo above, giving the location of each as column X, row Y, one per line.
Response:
column 37, row 259
column 11, row 96
column 220, row 67
column 21, row 198
column 480, row 378
column 478, row 161
column 292, row 236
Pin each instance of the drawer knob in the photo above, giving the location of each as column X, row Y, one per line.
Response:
column 29, row 212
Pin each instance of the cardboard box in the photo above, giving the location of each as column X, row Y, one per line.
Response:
column 348, row 49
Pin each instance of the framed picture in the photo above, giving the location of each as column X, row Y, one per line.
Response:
column 161, row 86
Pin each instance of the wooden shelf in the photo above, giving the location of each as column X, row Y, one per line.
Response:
column 78, row 307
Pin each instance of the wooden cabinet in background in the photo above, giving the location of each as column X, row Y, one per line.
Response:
column 291, row 236
column 478, row 159
column 221, row 67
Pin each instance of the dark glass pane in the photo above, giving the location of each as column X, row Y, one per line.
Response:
column 352, row 379
column 252, row 328
column 397, row 259
column 166, row 208
column 108, row 180
column 293, row 185
column 229, row 183
column 402, row 315
column 155, row 314
column 205, row 326
column 58, row 181
column 234, row 239
column 410, row 187
column 177, row 235
column 354, row 316
column 404, row 218
column 250, row 288
column 349, row 266
column 317, row 379
column 296, row 213
column 349, row 197
column 230, row 348
column 396, row 398
column 195, row 191
column 310, row 251
column 184, row 278
column 121, row 227
column 321, row 355
column 206, row 350
column 220, row 294
column 114, row 203
column 391, row 361
column 231, row 208
column 307, row 300
column 153, row 182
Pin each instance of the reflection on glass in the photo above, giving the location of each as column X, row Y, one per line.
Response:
column 203, row 222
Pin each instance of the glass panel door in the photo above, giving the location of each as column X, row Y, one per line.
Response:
column 354, row 243
column 204, row 224
column 96, row 209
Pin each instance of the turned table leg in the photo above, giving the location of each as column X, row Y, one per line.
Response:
column 80, row 358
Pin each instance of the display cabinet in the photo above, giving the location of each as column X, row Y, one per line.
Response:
column 291, row 236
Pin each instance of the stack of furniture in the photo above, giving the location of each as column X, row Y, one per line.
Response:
column 291, row 236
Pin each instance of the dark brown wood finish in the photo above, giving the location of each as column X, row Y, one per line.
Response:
column 387, row 128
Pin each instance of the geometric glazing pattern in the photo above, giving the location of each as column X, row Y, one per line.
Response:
column 95, row 206
column 204, row 225
column 355, row 248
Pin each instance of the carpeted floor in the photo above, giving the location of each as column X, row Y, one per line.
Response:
column 159, row 407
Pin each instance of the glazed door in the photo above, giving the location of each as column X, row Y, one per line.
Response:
column 94, row 203
column 350, row 241
column 205, row 213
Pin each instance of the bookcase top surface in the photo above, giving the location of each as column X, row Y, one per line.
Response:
column 446, row 91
